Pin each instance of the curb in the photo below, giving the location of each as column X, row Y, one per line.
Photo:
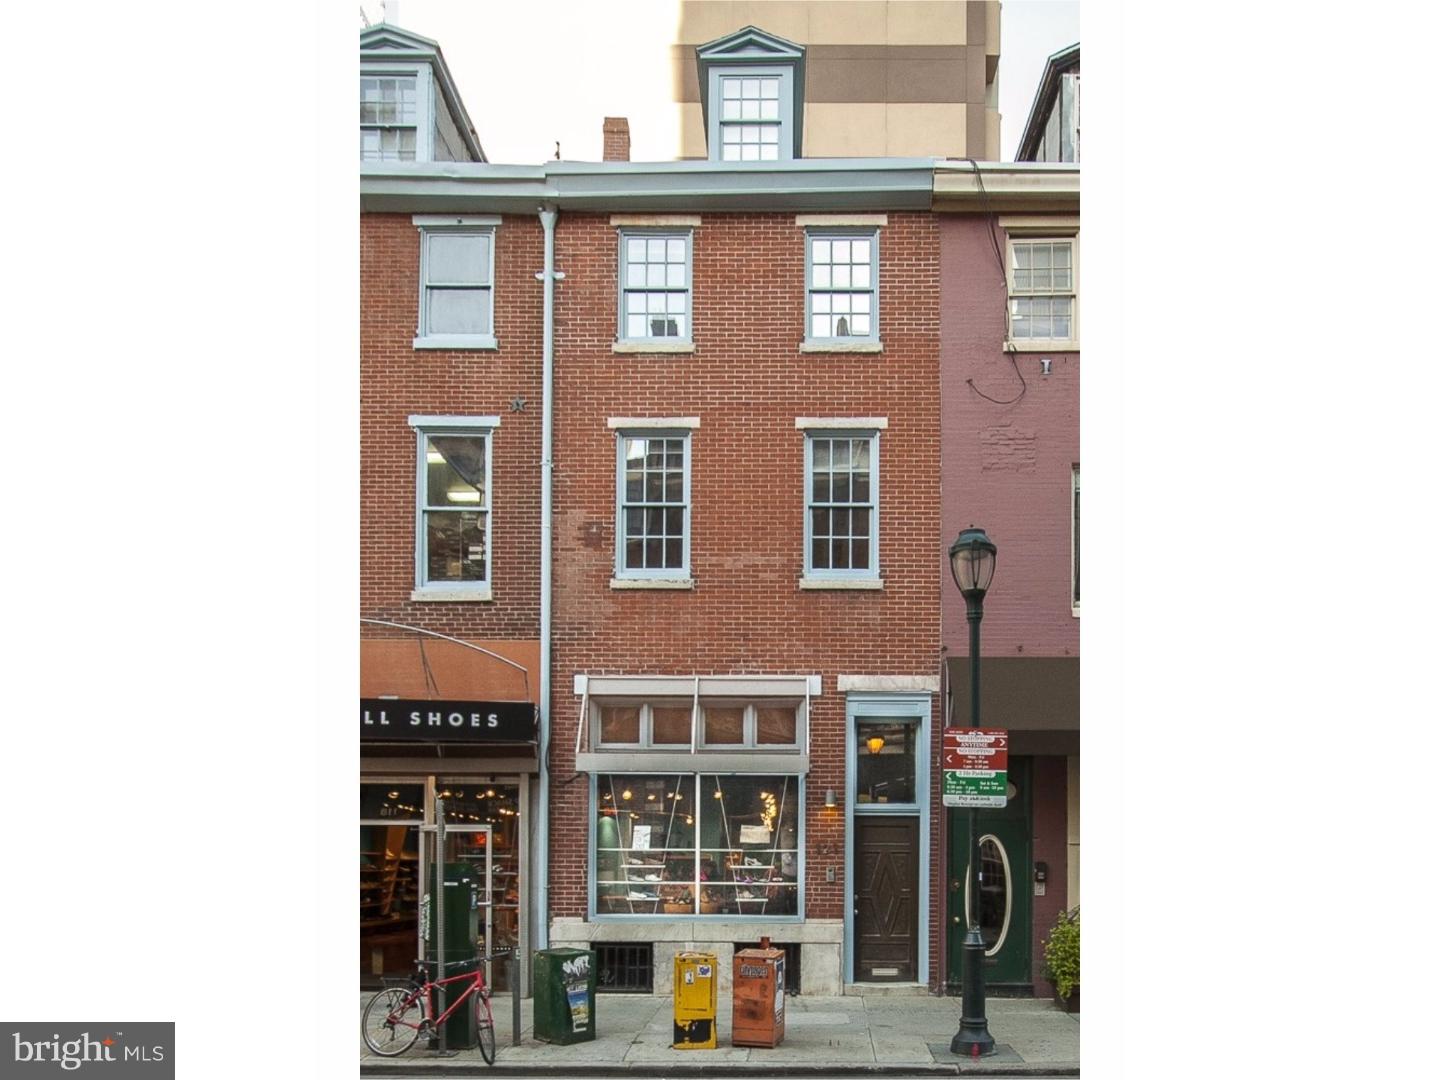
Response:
column 656, row 1069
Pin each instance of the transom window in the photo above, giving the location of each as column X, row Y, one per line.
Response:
column 453, row 511
column 457, row 273
column 841, row 497
column 388, row 117
column 655, row 286
column 668, row 723
column 1042, row 290
column 750, row 118
column 841, row 289
column 654, row 527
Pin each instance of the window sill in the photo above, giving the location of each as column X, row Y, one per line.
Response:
column 841, row 347
column 456, row 341
column 653, row 347
column 841, row 583
column 652, row 583
column 1044, row 346
column 436, row 593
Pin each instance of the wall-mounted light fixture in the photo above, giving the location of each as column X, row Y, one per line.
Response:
column 876, row 743
column 830, row 799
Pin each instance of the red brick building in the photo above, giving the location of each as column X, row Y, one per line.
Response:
column 656, row 496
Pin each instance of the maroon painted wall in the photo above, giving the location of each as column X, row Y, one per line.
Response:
column 1005, row 468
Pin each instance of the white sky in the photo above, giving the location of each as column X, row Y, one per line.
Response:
column 534, row 72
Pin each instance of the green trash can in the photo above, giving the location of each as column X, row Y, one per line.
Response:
column 564, row 996
column 461, row 911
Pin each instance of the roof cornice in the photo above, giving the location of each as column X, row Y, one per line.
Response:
column 993, row 186
column 799, row 185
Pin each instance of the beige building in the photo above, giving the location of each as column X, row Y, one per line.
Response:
column 881, row 78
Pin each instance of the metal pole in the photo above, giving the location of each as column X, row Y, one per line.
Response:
column 437, row 910
column 973, row 1039
column 510, row 968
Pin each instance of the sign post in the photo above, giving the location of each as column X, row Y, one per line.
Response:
column 975, row 763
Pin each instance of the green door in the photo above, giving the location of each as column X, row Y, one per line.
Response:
column 1005, row 885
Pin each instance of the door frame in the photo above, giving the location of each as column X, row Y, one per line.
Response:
column 903, row 708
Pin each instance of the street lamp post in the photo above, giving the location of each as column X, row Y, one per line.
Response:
column 972, row 563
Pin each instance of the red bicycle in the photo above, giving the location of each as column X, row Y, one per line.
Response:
column 396, row 1016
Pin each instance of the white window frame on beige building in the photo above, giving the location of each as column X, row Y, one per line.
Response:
column 1041, row 228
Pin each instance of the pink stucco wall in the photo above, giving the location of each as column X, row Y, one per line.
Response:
column 1005, row 468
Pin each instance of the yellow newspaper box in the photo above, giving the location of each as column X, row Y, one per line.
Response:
column 696, row 986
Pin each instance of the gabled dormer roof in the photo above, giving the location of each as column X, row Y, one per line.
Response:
column 1064, row 62
column 751, row 45
column 384, row 41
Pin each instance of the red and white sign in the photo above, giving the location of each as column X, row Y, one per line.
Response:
column 975, row 749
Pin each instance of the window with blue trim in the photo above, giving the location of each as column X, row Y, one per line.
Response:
column 655, row 286
column 842, row 504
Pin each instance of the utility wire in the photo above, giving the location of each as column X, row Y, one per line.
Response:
column 991, row 223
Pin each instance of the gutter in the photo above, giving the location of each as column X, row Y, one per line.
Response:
column 549, row 276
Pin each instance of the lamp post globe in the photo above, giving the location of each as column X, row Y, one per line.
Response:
column 972, row 564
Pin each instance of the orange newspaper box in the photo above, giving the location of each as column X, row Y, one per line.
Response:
column 759, row 997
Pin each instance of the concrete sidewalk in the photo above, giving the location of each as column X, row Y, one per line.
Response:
column 859, row 1035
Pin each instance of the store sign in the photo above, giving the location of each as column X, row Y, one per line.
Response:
column 398, row 720
column 975, row 762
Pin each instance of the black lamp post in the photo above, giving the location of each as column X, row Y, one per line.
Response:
column 972, row 562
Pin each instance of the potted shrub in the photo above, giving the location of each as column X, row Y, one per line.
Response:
column 1062, row 959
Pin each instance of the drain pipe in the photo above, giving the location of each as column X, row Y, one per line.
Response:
column 547, row 438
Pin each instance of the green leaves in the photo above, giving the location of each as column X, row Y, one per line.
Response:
column 1062, row 953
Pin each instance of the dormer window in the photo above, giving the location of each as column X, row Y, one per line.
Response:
column 752, row 96
column 409, row 107
column 388, row 117
column 750, row 118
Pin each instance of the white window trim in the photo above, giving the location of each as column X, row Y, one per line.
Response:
column 1021, row 231
column 453, row 425
column 432, row 224
column 682, row 343
column 716, row 107
column 870, row 577
column 424, row 105
column 678, row 577
column 856, row 342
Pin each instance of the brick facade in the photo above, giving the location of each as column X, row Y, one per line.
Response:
column 397, row 381
column 747, row 382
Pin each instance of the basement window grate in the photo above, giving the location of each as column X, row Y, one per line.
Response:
column 624, row 969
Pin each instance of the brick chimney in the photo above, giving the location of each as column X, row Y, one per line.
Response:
column 617, row 138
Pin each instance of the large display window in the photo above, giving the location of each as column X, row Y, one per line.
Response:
column 390, row 818
column 697, row 844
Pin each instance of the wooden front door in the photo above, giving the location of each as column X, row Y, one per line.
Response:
column 887, row 899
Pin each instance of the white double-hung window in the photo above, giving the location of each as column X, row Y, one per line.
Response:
column 652, row 533
column 457, row 282
column 1042, row 291
column 453, row 507
column 655, row 286
column 750, row 119
column 390, row 115
column 842, row 506
column 841, row 286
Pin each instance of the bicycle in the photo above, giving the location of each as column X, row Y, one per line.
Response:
column 396, row 1016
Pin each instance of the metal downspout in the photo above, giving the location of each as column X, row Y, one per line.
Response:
column 547, row 438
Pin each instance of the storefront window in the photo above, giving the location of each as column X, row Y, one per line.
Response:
column 885, row 763
column 471, row 803
column 684, row 844
column 390, row 817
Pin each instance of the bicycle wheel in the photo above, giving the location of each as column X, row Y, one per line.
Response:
column 391, row 1023
column 485, row 1026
